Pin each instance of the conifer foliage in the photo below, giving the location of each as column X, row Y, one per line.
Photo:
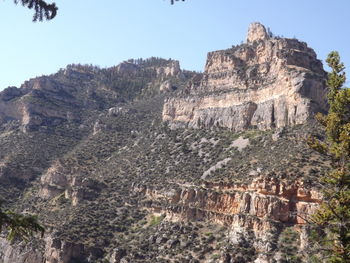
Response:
column 173, row 1
column 19, row 225
column 333, row 216
column 42, row 10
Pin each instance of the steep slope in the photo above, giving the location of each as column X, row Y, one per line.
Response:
column 96, row 156
column 48, row 116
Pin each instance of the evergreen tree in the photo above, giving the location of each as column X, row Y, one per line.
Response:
column 43, row 10
column 333, row 216
column 18, row 225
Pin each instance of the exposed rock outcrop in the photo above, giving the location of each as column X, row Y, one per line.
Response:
column 10, row 253
column 29, row 104
column 76, row 188
column 265, row 83
column 261, row 208
column 265, row 198
column 127, row 68
column 51, row 250
column 172, row 69
column 256, row 32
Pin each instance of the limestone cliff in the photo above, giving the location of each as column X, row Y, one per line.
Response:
column 265, row 83
column 261, row 207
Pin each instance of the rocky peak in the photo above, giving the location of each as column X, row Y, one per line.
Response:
column 277, row 82
column 256, row 31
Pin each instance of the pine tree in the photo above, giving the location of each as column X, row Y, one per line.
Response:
column 333, row 216
column 18, row 225
column 41, row 9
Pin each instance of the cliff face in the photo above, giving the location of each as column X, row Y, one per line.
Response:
column 261, row 207
column 265, row 83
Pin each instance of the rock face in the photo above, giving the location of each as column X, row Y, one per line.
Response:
column 170, row 70
column 267, row 82
column 17, row 253
column 264, row 198
column 256, row 32
column 127, row 68
column 261, row 207
column 27, row 104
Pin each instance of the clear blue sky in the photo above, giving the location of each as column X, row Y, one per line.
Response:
column 106, row 32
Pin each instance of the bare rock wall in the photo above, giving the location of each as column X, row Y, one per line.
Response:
column 265, row 83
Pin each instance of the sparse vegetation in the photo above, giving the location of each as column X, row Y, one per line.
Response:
column 155, row 220
column 289, row 243
column 108, row 167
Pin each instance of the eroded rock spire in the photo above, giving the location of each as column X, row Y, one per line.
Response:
column 256, row 31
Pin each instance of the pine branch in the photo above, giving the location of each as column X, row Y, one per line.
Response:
column 173, row 1
column 42, row 10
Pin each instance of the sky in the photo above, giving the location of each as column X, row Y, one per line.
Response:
column 107, row 32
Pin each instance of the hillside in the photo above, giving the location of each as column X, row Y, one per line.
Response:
column 146, row 162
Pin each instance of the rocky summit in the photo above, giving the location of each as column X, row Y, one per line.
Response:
column 268, row 82
column 147, row 162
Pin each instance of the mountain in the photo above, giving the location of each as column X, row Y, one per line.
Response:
column 146, row 162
